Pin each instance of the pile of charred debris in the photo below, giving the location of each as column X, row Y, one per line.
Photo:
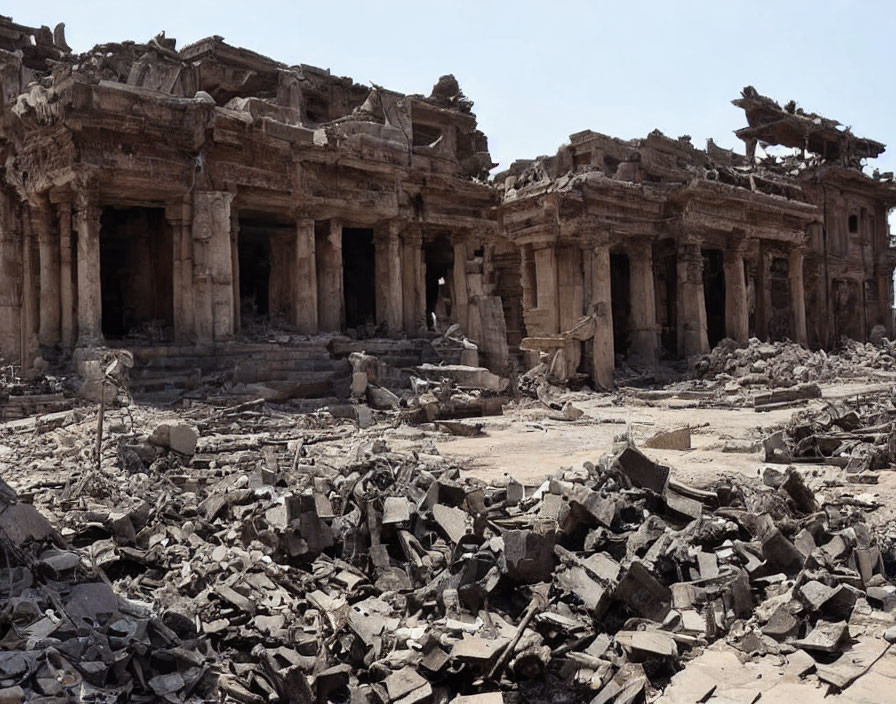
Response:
column 253, row 555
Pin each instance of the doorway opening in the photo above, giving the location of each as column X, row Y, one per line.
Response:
column 136, row 274
column 714, row 294
column 254, row 252
column 439, row 258
column 359, row 277
column 265, row 252
column 620, row 295
column 779, row 289
column 666, row 284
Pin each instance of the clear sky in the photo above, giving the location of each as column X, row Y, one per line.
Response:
column 539, row 71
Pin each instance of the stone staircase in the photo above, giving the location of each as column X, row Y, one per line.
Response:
column 298, row 369
column 310, row 368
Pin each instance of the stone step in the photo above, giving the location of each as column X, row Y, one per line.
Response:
column 182, row 379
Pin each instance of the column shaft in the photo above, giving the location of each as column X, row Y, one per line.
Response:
column 212, row 266
column 602, row 310
column 329, row 279
column 546, row 290
column 413, row 284
column 30, row 294
column 235, row 270
column 643, row 327
column 305, row 299
column 460, row 304
column 90, row 302
column 798, row 296
column 66, row 285
column 180, row 218
column 737, row 320
column 48, row 241
column 692, row 336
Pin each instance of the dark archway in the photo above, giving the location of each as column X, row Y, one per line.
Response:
column 136, row 273
column 714, row 294
column 620, row 294
column 358, row 276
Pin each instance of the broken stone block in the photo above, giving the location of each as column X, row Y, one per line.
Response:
column 650, row 642
column 883, row 598
column 833, row 602
column 575, row 580
column 781, row 625
column 477, row 650
column 453, row 521
column 643, row 594
column 826, row 637
column 642, row 471
column 93, row 601
column 679, row 439
column 489, row 698
column 331, row 680
column 382, row 399
column 529, row 555
column 403, row 682
column 780, row 553
column 179, row 437
column 684, row 506
column 396, row 509
column 359, row 384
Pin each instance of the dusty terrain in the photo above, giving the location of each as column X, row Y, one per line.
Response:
column 244, row 451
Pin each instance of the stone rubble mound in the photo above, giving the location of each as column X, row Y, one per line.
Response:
column 785, row 364
column 274, row 564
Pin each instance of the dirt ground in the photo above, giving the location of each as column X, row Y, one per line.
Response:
column 529, row 445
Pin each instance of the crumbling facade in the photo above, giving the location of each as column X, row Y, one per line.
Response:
column 651, row 248
column 188, row 196
column 198, row 191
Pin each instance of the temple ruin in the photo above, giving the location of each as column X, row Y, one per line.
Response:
column 179, row 200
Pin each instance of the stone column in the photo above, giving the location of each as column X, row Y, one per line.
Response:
column 798, row 296
column 212, row 266
column 643, row 328
column 413, row 281
column 461, row 302
column 304, row 311
column 692, row 336
column 570, row 290
column 602, row 309
column 527, row 276
column 30, row 294
column 546, row 289
column 66, row 285
column 90, row 301
column 48, row 241
column 330, row 301
column 387, row 261
column 180, row 218
column 884, row 279
column 235, row 269
column 737, row 311
column 763, row 294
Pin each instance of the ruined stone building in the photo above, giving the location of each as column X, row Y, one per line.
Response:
column 204, row 189
column 670, row 248
column 191, row 196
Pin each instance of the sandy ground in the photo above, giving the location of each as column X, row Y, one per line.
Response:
column 529, row 445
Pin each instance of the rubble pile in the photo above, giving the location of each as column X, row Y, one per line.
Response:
column 67, row 635
column 785, row 364
column 277, row 560
column 855, row 434
column 24, row 396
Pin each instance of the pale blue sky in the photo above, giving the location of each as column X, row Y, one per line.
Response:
column 539, row 71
